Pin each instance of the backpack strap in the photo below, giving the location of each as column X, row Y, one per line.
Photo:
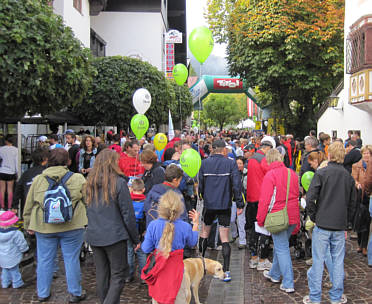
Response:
column 64, row 179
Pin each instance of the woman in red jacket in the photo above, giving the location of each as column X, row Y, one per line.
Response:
column 274, row 187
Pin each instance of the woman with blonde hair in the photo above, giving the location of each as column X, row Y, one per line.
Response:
column 168, row 235
column 280, row 190
column 111, row 224
column 317, row 160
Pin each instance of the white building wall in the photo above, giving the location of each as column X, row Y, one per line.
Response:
column 138, row 35
column 79, row 22
column 351, row 117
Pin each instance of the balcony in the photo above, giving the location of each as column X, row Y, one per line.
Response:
column 360, row 93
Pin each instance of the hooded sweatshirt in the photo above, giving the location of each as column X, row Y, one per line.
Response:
column 12, row 245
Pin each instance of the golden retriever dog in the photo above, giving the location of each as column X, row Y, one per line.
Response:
column 194, row 272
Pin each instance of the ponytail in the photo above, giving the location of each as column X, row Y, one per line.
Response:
column 170, row 209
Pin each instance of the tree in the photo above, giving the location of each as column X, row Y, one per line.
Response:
column 43, row 67
column 221, row 109
column 290, row 50
column 182, row 107
column 109, row 100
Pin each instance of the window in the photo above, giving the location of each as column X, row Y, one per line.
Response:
column 77, row 4
column 358, row 46
column 97, row 44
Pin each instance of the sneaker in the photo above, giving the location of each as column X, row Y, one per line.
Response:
column 287, row 290
column 77, row 299
column 343, row 300
column 306, row 300
column 219, row 248
column 267, row 276
column 242, row 246
column 227, row 277
column 265, row 265
column 253, row 263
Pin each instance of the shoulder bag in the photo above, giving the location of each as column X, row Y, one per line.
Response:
column 278, row 221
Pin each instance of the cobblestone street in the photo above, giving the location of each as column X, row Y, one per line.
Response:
column 254, row 288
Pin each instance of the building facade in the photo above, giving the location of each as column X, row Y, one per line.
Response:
column 350, row 105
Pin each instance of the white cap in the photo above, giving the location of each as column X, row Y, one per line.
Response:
column 42, row 138
column 268, row 140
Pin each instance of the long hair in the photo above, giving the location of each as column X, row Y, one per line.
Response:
column 170, row 208
column 318, row 156
column 103, row 175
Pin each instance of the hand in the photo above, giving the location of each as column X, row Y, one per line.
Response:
column 15, row 211
column 30, row 232
column 194, row 215
column 138, row 246
column 359, row 186
column 88, row 170
column 239, row 211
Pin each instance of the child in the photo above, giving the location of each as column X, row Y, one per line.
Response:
column 137, row 194
column 12, row 245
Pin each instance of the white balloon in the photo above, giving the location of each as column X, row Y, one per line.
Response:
column 141, row 100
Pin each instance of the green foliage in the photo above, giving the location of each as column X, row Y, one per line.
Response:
column 181, row 107
column 110, row 98
column 290, row 50
column 43, row 67
column 223, row 109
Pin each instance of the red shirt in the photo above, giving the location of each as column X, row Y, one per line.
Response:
column 170, row 145
column 130, row 166
column 255, row 174
column 287, row 144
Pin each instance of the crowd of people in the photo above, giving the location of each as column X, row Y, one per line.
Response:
column 128, row 200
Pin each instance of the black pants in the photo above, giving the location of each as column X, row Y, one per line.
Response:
column 363, row 237
column 258, row 243
column 111, row 270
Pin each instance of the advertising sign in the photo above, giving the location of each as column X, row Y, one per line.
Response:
column 227, row 83
column 173, row 36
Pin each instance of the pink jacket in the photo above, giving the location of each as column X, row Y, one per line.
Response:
column 277, row 177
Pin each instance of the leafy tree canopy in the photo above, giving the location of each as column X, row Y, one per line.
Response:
column 222, row 109
column 43, row 67
column 290, row 50
column 109, row 100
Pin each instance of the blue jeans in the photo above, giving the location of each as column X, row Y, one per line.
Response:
column 11, row 276
column 141, row 257
column 369, row 250
column 323, row 242
column 282, row 264
column 47, row 246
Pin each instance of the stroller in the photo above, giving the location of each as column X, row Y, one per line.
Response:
column 301, row 242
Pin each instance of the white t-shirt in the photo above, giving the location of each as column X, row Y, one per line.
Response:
column 9, row 155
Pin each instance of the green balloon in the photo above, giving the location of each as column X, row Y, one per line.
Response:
column 180, row 73
column 139, row 125
column 190, row 162
column 201, row 43
column 306, row 179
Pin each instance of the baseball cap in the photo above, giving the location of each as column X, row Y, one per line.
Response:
column 42, row 138
column 219, row 143
column 69, row 131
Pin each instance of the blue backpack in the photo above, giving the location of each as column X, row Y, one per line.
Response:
column 57, row 205
column 138, row 211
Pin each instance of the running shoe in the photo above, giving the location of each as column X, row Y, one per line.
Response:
column 287, row 290
column 253, row 263
column 343, row 300
column 306, row 300
column 267, row 276
column 227, row 277
column 265, row 265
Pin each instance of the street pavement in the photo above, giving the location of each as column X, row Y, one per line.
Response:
column 247, row 285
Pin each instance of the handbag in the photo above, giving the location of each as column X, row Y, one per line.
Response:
column 362, row 216
column 278, row 221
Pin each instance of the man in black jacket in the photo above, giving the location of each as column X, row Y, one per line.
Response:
column 73, row 147
column 330, row 203
column 311, row 145
column 219, row 181
column 39, row 159
column 353, row 155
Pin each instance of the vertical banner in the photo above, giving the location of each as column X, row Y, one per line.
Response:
column 170, row 127
column 249, row 107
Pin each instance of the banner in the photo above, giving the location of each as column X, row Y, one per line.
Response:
column 170, row 127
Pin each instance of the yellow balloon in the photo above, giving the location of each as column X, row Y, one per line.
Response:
column 160, row 141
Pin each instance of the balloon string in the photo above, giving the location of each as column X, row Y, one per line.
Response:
column 198, row 143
